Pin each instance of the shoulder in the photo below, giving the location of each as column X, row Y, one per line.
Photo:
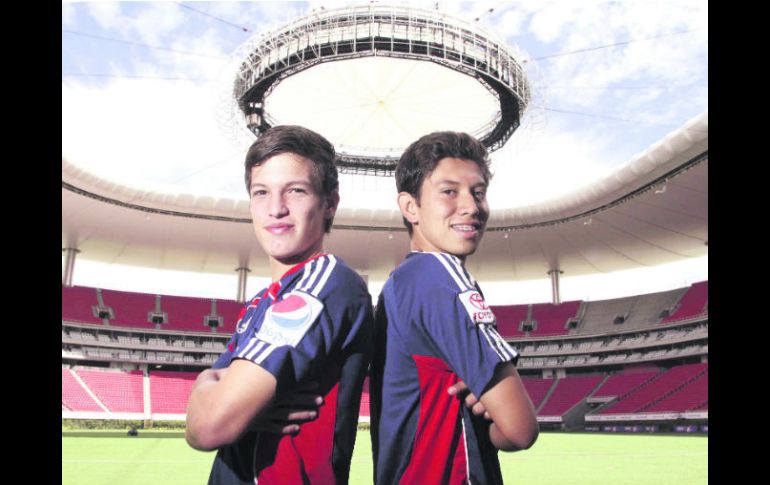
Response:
column 330, row 277
column 432, row 272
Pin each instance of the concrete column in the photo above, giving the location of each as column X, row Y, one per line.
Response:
column 555, row 285
column 69, row 265
column 242, row 273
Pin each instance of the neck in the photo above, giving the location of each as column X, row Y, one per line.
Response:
column 278, row 268
column 418, row 248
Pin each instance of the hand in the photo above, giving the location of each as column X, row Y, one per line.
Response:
column 462, row 392
column 288, row 412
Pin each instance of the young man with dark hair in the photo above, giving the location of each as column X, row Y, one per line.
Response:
column 436, row 346
column 311, row 329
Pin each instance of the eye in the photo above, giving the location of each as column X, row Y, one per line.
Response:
column 448, row 191
column 297, row 190
column 480, row 193
column 258, row 192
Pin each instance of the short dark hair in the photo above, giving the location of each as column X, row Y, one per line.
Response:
column 421, row 157
column 303, row 142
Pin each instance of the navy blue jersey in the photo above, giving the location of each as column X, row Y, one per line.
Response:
column 433, row 329
column 315, row 324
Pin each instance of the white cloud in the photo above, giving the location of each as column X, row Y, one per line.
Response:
column 548, row 24
column 68, row 15
column 107, row 14
column 148, row 129
column 525, row 175
column 157, row 20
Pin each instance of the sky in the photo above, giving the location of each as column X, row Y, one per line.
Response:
column 144, row 85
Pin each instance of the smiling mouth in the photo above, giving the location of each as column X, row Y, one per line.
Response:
column 467, row 230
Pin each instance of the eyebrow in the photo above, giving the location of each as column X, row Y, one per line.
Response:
column 454, row 182
column 291, row 182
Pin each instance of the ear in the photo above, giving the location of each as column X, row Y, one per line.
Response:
column 331, row 204
column 408, row 205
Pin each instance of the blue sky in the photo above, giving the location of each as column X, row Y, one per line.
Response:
column 142, row 81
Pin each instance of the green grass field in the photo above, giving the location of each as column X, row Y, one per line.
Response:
column 556, row 458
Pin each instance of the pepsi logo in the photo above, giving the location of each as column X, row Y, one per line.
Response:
column 291, row 312
column 477, row 301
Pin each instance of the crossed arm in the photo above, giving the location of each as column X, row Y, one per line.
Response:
column 514, row 422
column 225, row 403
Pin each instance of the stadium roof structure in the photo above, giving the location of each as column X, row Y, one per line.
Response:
column 652, row 210
column 478, row 84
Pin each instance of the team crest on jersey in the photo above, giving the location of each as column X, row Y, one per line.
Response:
column 243, row 324
column 477, row 308
column 287, row 321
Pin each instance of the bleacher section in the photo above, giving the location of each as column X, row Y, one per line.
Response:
column 186, row 313
column 123, row 391
column 693, row 303
column 619, row 385
column 692, row 396
column 537, row 389
column 680, row 389
column 130, row 309
column 76, row 304
column 365, row 400
column 229, row 311
column 73, row 396
column 508, row 319
column 646, row 395
column 569, row 391
column 647, row 308
column 552, row 319
column 119, row 391
column 169, row 391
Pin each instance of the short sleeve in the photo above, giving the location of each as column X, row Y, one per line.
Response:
column 462, row 328
column 299, row 333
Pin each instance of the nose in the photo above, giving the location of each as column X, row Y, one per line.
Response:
column 467, row 204
column 277, row 206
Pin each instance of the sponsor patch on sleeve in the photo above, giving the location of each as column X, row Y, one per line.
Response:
column 477, row 308
column 288, row 320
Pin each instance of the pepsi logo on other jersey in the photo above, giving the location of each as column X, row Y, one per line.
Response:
column 291, row 312
column 287, row 321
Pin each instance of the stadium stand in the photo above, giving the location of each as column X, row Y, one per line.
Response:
column 508, row 319
column 690, row 397
column 169, row 391
column 537, row 389
column 693, row 303
column 364, row 408
column 568, row 392
column 618, row 385
column 129, row 309
column 552, row 319
column 625, row 362
column 186, row 313
column 647, row 308
column 73, row 396
column 229, row 311
column 119, row 391
column 76, row 304
column 652, row 391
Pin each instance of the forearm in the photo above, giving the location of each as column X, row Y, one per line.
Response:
column 503, row 443
column 511, row 411
column 220, row 410
column 199, row 432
